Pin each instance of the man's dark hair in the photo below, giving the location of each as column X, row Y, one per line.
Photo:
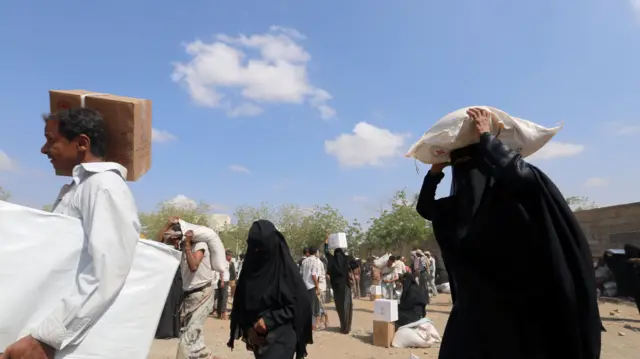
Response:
column 228, row 252
column 313, row 251
column 305, row 250
column 82, row 121
column 241, row 256
column 392, row 258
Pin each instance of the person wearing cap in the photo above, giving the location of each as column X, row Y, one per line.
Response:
column 431, row 273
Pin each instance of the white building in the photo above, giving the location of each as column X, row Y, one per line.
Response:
column 219, row 220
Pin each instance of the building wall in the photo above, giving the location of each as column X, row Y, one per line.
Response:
column 219, row 221
column 611, row 227
column 605, row 228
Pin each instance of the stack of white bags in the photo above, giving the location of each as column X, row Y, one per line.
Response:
column 39, row 258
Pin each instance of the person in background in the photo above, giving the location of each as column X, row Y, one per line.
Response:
column 431, row 273
column 233, row 273
column 99, row 197
column 389, row 278
column 413, row 302
column 271, row 309
column 322, row 284
column 354, row 276
column 240, row 261
column 400, row 268
column 376, row 273
column 421, row 269
column 305, row 254
column 215, row 278
column 223, row 288
column 198, row 290
column 339, row 275
column 310, row 271
column 365, row 278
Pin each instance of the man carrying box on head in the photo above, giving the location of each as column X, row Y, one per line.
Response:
column 99, row 196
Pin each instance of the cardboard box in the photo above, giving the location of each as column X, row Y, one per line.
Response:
column 375, row 292
column 385, row 310
column 127, row 121
column 383, row 333
column 338, row 240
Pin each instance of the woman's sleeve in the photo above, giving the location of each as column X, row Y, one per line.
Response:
column 275, row 318
column 426, row 206
column 509, row 168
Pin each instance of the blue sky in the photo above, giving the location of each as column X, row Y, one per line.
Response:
column 259, row 100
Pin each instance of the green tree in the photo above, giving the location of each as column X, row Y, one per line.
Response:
column 355, row 236
column 580, row 203
column 398, row 228
column 153, row 222
column 321, row 221
column 4, row 195
column 47, row 208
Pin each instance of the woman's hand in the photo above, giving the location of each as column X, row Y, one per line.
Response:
column 260, row 327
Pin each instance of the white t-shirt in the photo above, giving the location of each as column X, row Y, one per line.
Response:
column 226, row 274
column 202, row 276
column 399, row 267
column 308, row 269
column 322, row 275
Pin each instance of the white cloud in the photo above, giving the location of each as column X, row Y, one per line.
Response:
column 628, row 130
column 161, row 136
column 246, row 109
column 226, row 68
column 182, row 201
column 239, row 169
column 635, row 5
column 6, row 163
column 557, row 150
column 596, row 182
column 368, row 145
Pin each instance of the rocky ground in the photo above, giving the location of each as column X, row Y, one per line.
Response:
column 621, row 341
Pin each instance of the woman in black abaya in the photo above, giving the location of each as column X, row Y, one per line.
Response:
column 413, row 301
column 271, row 308
column 518, row 262
column 169, row 324
column 339, row 276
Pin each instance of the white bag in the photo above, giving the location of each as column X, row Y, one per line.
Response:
column 338, row 240
column 419, row 334
column 208, row 235
column 456, row 130
column 382, row 261
column 30, row 293
column 444, row 288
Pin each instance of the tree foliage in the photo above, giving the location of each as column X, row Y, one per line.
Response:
column 580, row 203
column 153, row 222
column 4, row 195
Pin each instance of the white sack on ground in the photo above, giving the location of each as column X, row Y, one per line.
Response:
column 456, row 130
column 209, row 236
column 444, row 288
column 419, row 334
column 55, row 242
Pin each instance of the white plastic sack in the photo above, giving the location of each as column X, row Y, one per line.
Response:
column 420, row 334
column 55, row 242
column 208, row 235
column 444, row 288
column 382, row 261
column 456, row 130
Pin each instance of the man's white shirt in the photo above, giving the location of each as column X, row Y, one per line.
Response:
column 203, row 275
column 309, row 268
column 101, row 199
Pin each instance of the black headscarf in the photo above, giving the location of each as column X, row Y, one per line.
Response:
column 412, row 293
column 270, row 280
column 339, row 267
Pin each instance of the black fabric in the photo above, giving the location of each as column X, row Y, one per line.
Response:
column 521, row 246
column 618, row 264
column 413, row 302
column 338, row 265
column 169, row 324
column 270, row 287
column 633, row 252
column 344, row 305
column 280, row 344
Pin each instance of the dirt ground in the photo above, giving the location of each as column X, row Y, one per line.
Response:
column 621, row 341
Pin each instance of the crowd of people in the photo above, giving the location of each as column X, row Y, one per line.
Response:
column 499, row 206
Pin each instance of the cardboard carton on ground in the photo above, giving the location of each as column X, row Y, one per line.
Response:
column 375, row 292
column 338, row 240
column 127, row 121
column 383, row 333
column 385, row 310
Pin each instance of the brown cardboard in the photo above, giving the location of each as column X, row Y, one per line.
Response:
column 373, row 297
column 127, row 121
column 383, row 333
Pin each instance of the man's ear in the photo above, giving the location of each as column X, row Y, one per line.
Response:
column 83, row 143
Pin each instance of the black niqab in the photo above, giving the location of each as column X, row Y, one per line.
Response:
column 413, row 301
column 270, row 280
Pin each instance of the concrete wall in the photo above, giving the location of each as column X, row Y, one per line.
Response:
column 605, row 228
column 611, row 227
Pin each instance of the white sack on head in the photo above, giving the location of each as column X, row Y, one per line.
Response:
column 456, row 130
column 209, row 236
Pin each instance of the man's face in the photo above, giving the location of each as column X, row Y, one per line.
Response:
column 229, row 257
column 63, row 154
column 389, row 263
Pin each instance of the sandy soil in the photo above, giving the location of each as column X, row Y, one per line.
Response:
column 621, row 341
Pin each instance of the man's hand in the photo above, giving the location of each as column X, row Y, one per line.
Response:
column 188, row 238
column 317, row 290
column 260, row 327
column 481, row 119
column 28, row 348
column 221, row 281
column 173, row 220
